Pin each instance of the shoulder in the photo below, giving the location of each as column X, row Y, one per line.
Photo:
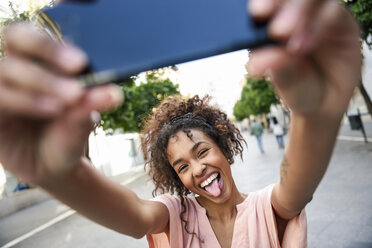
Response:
column 257, row 214
column 171, row 201
column 260, row 197
column 263, row 193
column 174, row 203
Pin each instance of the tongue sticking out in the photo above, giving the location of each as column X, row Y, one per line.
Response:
column 213, row 188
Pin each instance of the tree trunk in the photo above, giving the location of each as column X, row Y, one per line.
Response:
column 366, row 97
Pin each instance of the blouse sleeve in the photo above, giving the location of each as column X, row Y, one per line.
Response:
column 295, row 234
column 178, row 235
column 162, row 239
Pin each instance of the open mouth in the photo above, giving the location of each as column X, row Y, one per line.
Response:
column 212, row 184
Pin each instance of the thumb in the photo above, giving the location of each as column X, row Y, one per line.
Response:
column 65, row 139
column 80, row 120
column 295, row 80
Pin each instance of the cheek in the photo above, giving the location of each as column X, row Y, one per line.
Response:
column 221, row 162
column 187, row 181
column 218, row 158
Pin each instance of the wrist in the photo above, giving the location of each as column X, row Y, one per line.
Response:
column 318, row 119
column 53, row 179
column 322, row 127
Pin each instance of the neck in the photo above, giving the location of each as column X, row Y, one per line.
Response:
column 223, row 211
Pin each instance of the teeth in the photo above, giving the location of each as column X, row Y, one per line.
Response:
column 209, row 180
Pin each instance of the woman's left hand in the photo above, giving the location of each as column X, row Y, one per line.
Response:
column 318, row 66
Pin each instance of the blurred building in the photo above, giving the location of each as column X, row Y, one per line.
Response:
column 115, row 154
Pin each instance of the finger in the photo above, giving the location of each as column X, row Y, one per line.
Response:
column 261, row 61
column 98, row 99
column 104, row 98
column 15, row 102
column 262, row 9
column 283, row 68
column 30, row 77
column 294, row 78
column 26, row 40
column 330, row 23
column 293, row 18
column 74, row 127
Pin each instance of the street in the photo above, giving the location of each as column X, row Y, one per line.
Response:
column 339, row 215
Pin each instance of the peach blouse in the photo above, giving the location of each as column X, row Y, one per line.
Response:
column 254, row 225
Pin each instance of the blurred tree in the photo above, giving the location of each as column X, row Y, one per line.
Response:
column 139, row 102
column 14, row 14
column 256, row 98
column 19, row 12
column 362, row 10
column 240, row 111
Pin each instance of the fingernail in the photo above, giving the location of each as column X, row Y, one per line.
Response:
column 284, row 22
column 117, row 95
column 268, row 74
column 259, row 7
column 95, row 117
column 251, row 68
column 72, row 57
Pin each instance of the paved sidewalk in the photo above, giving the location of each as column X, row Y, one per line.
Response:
column 340, row 214
column 40, row 212
column 346, row 132
column 27, row 198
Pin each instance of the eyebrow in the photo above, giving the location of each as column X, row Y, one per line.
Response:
column 193, row 149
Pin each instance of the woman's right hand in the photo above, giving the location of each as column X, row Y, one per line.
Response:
column 46, row 115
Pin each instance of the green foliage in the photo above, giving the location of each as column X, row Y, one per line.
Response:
column 362, row 10
column 15, row 15
column 139, row 103
column 256, row 98
column 240, row 111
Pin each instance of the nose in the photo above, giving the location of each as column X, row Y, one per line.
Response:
column 198, row 169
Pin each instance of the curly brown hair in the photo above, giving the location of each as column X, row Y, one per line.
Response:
column 160, row 126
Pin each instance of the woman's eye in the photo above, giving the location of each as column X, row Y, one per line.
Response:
column 182, row 167
column 202, row 152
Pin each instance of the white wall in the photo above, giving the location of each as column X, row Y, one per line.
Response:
column 111, row 153
column 367, row 69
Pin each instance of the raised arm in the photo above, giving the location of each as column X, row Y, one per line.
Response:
column 315, row 72
column 108, row 203
column 46, row 117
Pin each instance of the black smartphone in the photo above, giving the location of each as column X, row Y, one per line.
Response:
column 125, row 37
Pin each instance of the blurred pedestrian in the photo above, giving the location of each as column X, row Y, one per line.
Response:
column 257, row 130
column 278, row 132
column 21, row 186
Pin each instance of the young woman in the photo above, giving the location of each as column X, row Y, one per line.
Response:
column 191, row 146
column 46, row 118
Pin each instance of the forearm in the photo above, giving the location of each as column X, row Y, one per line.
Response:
column 100, row 199
column 306, row 159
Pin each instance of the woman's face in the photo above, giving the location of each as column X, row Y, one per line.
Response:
column 201, row 165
